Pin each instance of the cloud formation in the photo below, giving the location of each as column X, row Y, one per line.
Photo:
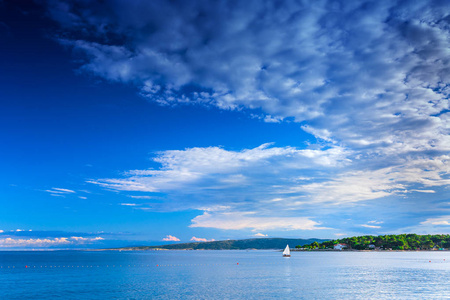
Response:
column 267, row 186
column 368, row 79
column 46, row 242
column 248, row 220
column 171, row 238
column 363, row 73
column 196, row 239
column 59, row 192
column 242, row 182
column 371, row 226
column 215, row 167
column 441, row 221
column 260, row 235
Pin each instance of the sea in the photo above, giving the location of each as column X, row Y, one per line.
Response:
column 224, row 274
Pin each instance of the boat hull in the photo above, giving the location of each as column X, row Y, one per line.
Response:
column 286, row 256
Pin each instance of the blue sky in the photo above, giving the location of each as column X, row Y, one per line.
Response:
column 147, row 122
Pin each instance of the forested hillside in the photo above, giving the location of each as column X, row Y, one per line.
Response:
column 260, row 243
column 394, row 242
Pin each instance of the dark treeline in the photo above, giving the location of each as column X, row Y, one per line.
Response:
column 393, row 241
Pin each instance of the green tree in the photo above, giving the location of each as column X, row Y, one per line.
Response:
column 314, row 245
column 394, row 241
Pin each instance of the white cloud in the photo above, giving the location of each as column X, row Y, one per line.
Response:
column 128, row 204
column 10, row 242
column 323, row 134
column 140, row 197
column 375, row 222
column 1, row 231
column 66, row 191
column 431, row 225
column 371, row 226
column 260, row 235
column 363, row 77
column 46, row 242
column 196, row 239
column 171, row 238
column 309, row 61
column 356, row 77
column 57, row 195
column 269, row 178
column 424, row 191
column 246, row 220
column 270, row 119
column 83, row 239
column 182, row 168
column 59, row 192
column 362, row 185
column 443, row 221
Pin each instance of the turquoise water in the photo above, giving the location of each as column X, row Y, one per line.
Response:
column 224, row 275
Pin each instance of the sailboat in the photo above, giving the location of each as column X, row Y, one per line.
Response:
column 287, row 252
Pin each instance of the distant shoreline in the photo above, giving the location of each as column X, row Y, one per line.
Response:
column 277, row 250
column 156, row 249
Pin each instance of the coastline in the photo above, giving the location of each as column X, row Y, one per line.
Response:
column 277, row 250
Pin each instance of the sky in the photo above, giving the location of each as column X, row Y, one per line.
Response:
column 151, row 122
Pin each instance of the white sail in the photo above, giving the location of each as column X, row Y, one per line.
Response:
column 287, row 251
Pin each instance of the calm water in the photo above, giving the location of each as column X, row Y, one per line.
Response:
column 224, row 275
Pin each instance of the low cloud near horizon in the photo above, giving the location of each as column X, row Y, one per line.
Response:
column 171, row 238
column 196, row 239
column 46, row 242
column 260, row 235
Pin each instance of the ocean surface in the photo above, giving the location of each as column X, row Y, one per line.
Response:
column 224, row 275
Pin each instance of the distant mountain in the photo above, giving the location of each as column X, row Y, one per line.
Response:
column 259, row 243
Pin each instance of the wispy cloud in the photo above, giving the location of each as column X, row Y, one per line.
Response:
column 443, row 221
column 171, row 238
column 375, row 222
column 424, row 191
column 140, row 197
column 59, row 192
column 371, row 226
column 83, row 239
column 438, row 223
column 65, row 191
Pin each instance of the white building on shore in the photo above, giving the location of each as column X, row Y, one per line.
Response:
column 340, row 246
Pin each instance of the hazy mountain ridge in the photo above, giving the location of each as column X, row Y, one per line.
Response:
column 257, row 243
